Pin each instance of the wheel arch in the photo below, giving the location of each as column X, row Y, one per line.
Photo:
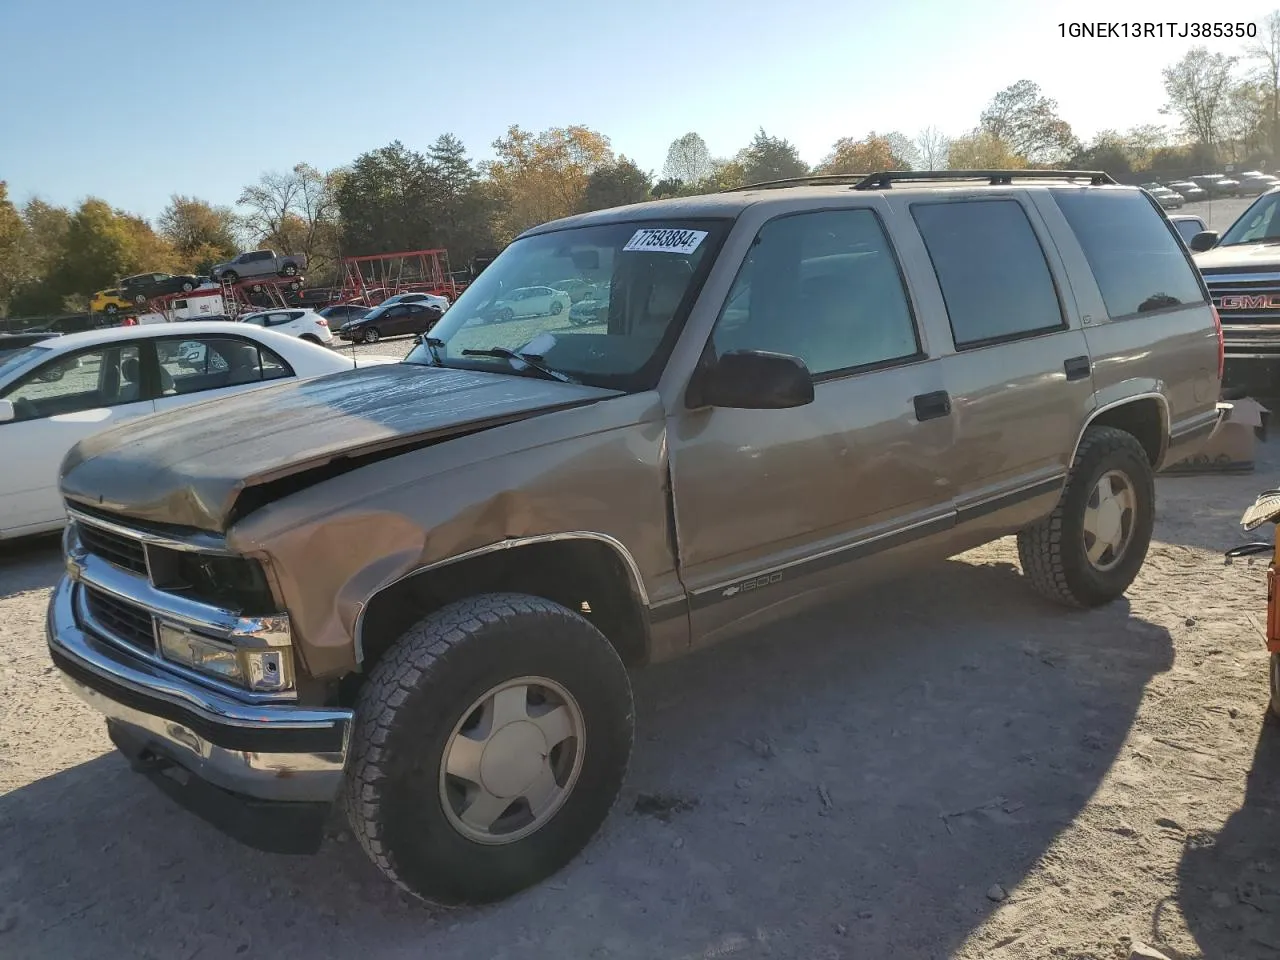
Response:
column 572, row 569
column 1144, row 415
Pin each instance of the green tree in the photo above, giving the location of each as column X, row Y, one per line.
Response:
column 1022, row 117
column 384, row 202
column 1108, row 151
column 616, row 184
column 201, row 234
column 770, row 158
column 462, row 207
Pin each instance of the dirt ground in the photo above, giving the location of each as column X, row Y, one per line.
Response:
column 856, row 784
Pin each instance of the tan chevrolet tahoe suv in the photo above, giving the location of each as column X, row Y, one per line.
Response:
column 417, row 589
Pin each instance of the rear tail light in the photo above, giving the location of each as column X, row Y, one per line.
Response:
column 1222, row 346
column 321, row 322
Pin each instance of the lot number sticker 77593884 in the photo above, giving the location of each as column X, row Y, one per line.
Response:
column 663, row 240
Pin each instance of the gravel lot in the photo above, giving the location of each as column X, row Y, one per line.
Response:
column 947, row 768
column 851, row 785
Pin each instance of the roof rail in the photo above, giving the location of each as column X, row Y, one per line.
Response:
column 886, row 179
column 817, row 180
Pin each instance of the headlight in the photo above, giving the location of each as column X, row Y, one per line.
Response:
column 261, row 669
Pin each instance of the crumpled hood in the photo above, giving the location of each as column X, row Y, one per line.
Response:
column 188, row 466
column 1250, row 256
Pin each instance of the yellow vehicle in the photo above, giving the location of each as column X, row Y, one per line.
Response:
column 108, row 301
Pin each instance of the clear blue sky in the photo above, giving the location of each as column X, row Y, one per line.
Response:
column 134, row 100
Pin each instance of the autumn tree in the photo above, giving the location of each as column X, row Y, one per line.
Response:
column 873, row 152
column 983, row 150
column 1198, row 88
column 725, row 175
column 1107, row 151
column 12, row 236
column 102, row 245
column 688, row 160
column 543, row 176
column 201, row 233
column 1022, row 117
column 770, row 158
column 616, row 184
column 933, row 145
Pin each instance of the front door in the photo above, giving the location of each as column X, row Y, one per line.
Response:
column 56, row 405
column 766, row 497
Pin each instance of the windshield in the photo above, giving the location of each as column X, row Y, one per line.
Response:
column 600, row 304
column 13, row 360
column 1258, row 224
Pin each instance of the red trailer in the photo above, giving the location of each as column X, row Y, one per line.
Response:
column 371, row 279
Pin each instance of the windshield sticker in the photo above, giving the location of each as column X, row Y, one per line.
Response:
column 651, row 240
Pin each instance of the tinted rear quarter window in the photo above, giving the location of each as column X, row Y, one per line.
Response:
column 991, row 268
column 1137, row 261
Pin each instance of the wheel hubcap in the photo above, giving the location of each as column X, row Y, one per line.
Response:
column 1108, row 520
column 512, row 760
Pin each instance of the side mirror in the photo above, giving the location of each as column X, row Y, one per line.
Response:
column 6, row 411
column 752, row 380
column 1204, row 240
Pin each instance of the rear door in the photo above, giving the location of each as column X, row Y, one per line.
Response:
column 58, row 404
column 1146, row 311
column 196, row 368
column 1017, row 371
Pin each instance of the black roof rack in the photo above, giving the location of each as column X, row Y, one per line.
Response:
column 886, row 179
column 817, row 180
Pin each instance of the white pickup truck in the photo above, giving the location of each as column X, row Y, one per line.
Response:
column 260, row 263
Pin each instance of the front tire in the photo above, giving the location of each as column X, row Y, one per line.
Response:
column 187, row 286
column 490, row 744
column 371, row 335
column 231, row 277
column 289, row 270
column 1089, row 550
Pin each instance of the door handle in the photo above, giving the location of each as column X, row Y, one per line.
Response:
column 1078, row 368
column 930, row 406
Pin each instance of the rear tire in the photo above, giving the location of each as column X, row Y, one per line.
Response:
column 187, row 286
column 1055, row 552
column 310, row 339
column 409, row 793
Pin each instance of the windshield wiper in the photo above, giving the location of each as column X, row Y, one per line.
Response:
column 532, row 360
column 1245, row 243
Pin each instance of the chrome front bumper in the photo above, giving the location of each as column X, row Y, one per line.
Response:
column 267, row 752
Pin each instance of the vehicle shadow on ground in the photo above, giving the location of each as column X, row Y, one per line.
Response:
column 31, row 563
column 849, row 784
column 1229, row 883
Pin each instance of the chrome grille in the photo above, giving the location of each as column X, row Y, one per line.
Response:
column 126, row 552
column 123, row 620
column 1245, row 297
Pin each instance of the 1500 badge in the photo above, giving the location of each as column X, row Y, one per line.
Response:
column 755, row 583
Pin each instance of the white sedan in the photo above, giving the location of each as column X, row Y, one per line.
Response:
column 304, row 324
column 59, row 391
column 430, row 299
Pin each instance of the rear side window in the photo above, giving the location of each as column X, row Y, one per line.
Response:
column 991, row 268
column 1137, row 262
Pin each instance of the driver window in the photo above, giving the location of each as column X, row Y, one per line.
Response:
column 91, row 379
column 824, row 287
column 1260, row 226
